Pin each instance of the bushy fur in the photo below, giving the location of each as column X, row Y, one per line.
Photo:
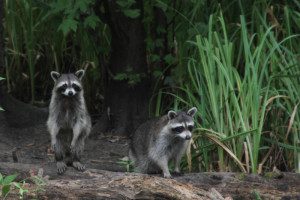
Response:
column 69, row 123
column 154, row 143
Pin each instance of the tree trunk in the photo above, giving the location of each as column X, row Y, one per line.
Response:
column 127, row 86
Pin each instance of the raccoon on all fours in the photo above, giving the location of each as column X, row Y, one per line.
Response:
column 69, row 123
column 158, row 141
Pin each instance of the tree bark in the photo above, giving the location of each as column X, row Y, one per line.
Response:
column 126, row 103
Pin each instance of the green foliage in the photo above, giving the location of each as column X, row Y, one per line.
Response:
column 256, row 195
column 8, row 183
column 67, row 25
column 5, row 184
column 22, row 190
column 236, row 61
column 126, row 163
column 239, row 74
column 72, row 12
column 126, row 8
column 54, row 34
column 130, row 76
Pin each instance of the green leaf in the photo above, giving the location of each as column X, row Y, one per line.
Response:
column 125, row 3
column 1, row 109
column 1, row 78
column 162, row 6
column 22, row 191
column 122, row 3
column 67, row 25
column 154, row 58
column 159, row 42
column 5, row 190
column 120, row 76
column 169, row 59
column 91, row 21
column 9, row 179
column 18, row 185
column 161, row 29
column 58, row 6
column 82, row 5
column 157, row 73
column 132, row 13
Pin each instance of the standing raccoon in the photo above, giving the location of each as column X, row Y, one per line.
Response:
column 69, row 123
column 160, row 140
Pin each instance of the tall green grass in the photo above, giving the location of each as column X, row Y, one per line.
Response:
column 23, row 22
column 36, row 44
column 238, row 82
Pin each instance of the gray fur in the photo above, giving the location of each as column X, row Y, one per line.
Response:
column 69, row 123
column 155, row 143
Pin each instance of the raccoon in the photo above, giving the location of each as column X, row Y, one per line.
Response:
column 160, row 140
column 69, row 123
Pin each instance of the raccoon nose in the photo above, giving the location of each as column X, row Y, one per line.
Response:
column 188, row 137
column 70, row 93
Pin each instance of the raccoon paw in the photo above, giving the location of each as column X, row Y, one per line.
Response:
column 167, row 176
column 77, row 165
column 61, row 167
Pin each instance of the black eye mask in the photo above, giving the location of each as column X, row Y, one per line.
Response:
column 62, row 88
column 178, row 129
column 76, row 87
column 190, row 128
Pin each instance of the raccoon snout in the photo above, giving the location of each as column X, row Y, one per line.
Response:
column 188, row 137
column 70, row 93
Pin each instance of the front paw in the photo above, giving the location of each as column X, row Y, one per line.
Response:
column 77, row 165
column 61, row 167
column 167, row 175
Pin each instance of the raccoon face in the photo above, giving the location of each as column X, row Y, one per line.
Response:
column 68, row 85
column 182, row 123
column 68, row 89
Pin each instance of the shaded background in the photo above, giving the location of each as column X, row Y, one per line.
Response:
column 236, row 61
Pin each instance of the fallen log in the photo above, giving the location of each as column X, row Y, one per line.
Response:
column 101, row 184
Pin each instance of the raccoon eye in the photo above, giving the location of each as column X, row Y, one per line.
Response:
column 178, row 129
column 76, row 87
column 190, row 128
column 63, row 87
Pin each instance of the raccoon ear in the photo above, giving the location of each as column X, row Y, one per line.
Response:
column 191, row 112
column 79, row 74
column 55, row 75
column 172, row 114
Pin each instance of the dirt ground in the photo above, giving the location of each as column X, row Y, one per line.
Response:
column 22, row 149
column 101, row 152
